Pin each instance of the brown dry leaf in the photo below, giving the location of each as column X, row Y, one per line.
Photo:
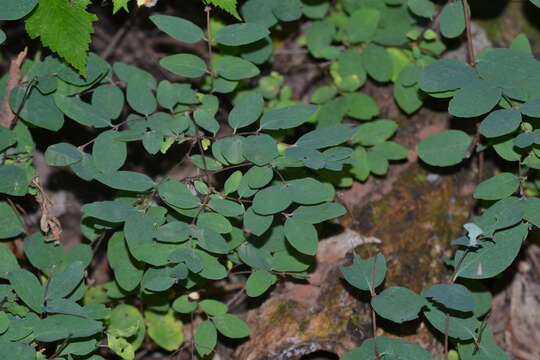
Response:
column 48, row 223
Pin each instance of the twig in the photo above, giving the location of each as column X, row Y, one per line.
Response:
column 113, row 45
column 7, row 116
column 48, row 223
column 470, row 45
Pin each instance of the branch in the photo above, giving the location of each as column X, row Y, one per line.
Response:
column 470, row 46
column 7, row 116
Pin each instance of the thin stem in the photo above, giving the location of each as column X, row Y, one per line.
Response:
column 207, row 10
column 373, row 315
column 470, row 46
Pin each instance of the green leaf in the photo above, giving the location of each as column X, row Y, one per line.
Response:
column 226, row 207
column 128, row 272
column 62, row 154
column 140, row 97
column 493, row 256
column 363, row 25
column 179, row 28
column 165, row 330
column 288, row 117
column 392, row 348
column 409, row 99
column 462, row 326
column 126, row 321
column 500, row 123
column 13, row 180
column 361, row 106
column 173, row 232
column 348, row 72
column 272, row 200
column 45, row 256
column 375, row 132
column 531, row 209
column 213, row 307
column 319, row 36
column 246, row 110
column 15, row 10
column 10, row 223
column 126, row 180
column 157, row 279
column 451, row 296
column 205, row 162
column 28, row 288
column 57, row 327
column 227, row 5
column 309, row 191
column 7, row 138
column 231, row 326
column 521, row 43
column 391, row 150
column 498, row 187
column 315, row 214
column 398, row 304
column 531, row 108
column 183, row 305
column 8, row 262
column 235, row 68
column 452, row 19
column 259, row 282
column 120, row 4
column 109, row 99
column 446, row 74
column 259, row 176
column 65, row 28
column 255, row 223
column 365, row 274
column 445, row 148
column 378, row 63
column 233, row 182
column 38, row 109
column 323, row 94
column 423, row 8
column 177, row 194
column 3, row 37
column 81, row 112
column 302, row 236
column 260, row 149
column 108, row 153
column 360, row 166
column 474, row 99
column 241, row 34
column 212, row 268
column 205, row 337
column 111, row 211
column 187, row 65
column 291, row 261
column 215, row 222
column 62, row 284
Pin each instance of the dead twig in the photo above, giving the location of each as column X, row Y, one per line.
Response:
column 7, row 116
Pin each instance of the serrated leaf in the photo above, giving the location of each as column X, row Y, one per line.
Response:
column 227, row 5
column 65, row 28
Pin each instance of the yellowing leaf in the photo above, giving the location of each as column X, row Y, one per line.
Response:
column 64, row 26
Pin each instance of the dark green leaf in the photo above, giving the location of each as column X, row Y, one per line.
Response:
column 302, row 236
column 259, row 282
column 246, row 111
column 272, row 200
column 62, row 154
column 235, row 68
column 445, row 148
column 365, row 274
column 205, row 337
column 451, row 296
column 378, row 63
column 452, row 19
column 315, row 214
column 500, row 122
column 14, row 10
column 231, row 326
column 126, row 180
column 474, row 99
column 446, row 74
column 398, row 304
column 10, row 223
column 187, row 65
column 28, row 288
column 241, row 34
column 179, row 28
column 286, row 118
column 260, row 149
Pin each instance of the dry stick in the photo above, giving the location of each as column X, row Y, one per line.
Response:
column 112, row 47
column 7, row 116
column 470, row 46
